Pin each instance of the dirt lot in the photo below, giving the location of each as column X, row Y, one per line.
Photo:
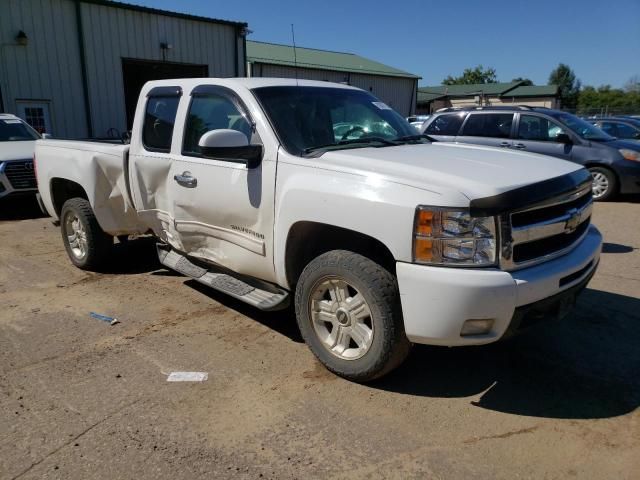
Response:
column 81, row 399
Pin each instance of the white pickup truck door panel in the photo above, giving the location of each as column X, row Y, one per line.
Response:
column 222, row 211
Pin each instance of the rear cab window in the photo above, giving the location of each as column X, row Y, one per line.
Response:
column 447, row 124
column 160, row 118
column 495, row 125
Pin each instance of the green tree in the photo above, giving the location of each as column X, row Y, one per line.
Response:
column 607, row 100
column 525, row 81
column 471, row 76
column 633, row 85
column 569, row 85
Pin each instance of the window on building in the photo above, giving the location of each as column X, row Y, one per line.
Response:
column 532, row 127
column 488, row 125
column 159, row 118
column 448, row 124
column 211, row 112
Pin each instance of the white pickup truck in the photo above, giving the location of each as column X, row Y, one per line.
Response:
column 268, row 189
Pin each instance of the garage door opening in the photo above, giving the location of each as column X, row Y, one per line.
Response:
column 136, row 73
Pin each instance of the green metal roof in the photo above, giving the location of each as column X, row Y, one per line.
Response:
column 511, row 89
column 425, row 97
column 533, row 91
column 272, row 53
column 471, row 89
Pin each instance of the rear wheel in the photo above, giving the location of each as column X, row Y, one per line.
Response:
column 605, row 183
column 348, row 311
column 87, row 245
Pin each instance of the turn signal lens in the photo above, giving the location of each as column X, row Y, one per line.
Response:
column 424, row 250
column 424, row 224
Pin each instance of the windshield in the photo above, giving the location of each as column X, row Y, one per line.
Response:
column 309, row 119
column 14, row 130
column 582, row 128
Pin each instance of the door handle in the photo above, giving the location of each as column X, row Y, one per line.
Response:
column 504, row 144
column 520, row 146
column 186, row 180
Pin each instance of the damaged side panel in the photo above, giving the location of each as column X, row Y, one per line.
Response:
column 101, row 170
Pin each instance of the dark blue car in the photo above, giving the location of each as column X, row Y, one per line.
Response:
column 614, row 163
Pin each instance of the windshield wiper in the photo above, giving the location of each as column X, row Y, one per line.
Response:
column 410, row 138
column 354, row 141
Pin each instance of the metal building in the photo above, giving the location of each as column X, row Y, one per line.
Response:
column 394, row 87
column 74, row 68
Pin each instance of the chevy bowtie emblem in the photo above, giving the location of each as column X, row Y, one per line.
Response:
column 574, row 220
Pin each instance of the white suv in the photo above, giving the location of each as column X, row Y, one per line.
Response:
column 17, row 143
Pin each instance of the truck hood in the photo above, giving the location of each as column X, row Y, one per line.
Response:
column 16, row 150
column 472, row 170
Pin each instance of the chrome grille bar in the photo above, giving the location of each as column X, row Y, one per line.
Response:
column 543, row 227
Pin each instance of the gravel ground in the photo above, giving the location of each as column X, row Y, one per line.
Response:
column 80, row 399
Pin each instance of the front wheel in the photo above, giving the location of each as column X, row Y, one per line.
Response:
column 604, row 184
column 87, row 245
column 349, row 314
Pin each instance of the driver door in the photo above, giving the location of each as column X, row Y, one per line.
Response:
column 223, row 210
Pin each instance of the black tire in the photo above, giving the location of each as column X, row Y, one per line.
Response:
column 611, row 182
column 389, row 345
column 98, row 243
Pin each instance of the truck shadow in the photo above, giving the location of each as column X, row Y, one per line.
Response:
column 19, row 207
column 583, row 367
column 134, row 257
column 281, row 321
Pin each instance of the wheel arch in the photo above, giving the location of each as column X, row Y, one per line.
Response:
column 308, row 239
column 63, row 189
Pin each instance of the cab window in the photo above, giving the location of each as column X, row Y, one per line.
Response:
column 496, row 125
column 211, row 112
column 159, row 119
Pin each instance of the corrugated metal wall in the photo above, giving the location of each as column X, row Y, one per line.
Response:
column 397, row 92
column 114, row 33
column 49, row 67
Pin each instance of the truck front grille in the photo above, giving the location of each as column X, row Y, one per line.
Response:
column 21, row 174
column 541, row 232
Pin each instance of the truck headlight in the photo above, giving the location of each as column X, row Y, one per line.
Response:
column 453, row 237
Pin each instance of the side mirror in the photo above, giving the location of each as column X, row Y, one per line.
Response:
column 227, row 144
column 563, row 138
column 46, row 136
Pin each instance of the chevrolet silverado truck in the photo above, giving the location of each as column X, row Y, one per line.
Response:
column 276, row 191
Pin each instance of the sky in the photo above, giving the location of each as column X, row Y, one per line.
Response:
column 599, row 40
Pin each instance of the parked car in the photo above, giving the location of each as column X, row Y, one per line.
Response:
column 380, row 241
column 614, row 163
column 417, row 120
column 619, row 127
column 17, row 142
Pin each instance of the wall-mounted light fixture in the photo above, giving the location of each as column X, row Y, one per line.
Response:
column 244, row 31
column 165, row 47
column 22, row 39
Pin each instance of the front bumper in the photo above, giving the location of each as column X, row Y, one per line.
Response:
column 436, row 301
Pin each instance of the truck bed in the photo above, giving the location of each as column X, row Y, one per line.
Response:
column 101, row 169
